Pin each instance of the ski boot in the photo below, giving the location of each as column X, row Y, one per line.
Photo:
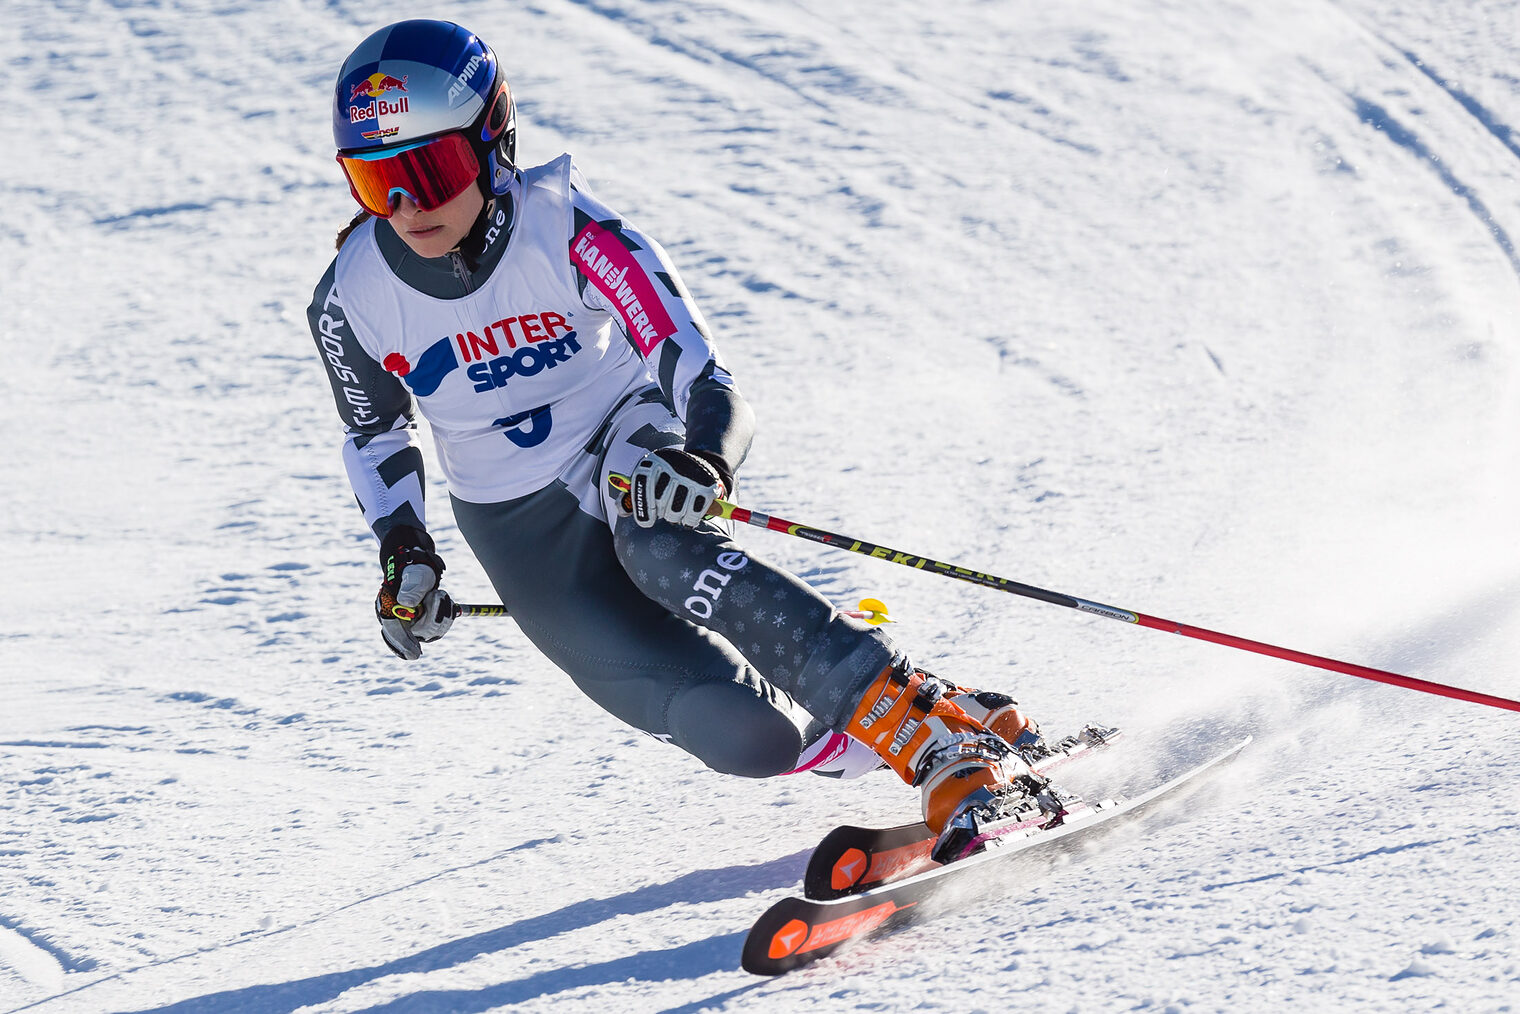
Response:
column 835, row 755
column 1000, row 715
column 969, row 777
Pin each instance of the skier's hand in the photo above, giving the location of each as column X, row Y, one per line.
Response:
column 411, row 608
column 676, row 486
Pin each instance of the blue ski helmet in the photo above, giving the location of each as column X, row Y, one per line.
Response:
column 415, row 80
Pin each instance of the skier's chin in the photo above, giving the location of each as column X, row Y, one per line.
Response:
column 430, row 241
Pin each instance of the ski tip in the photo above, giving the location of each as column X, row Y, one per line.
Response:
column 795, row 932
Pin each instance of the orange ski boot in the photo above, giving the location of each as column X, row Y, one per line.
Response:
column 1000, row 715
column 967, row 774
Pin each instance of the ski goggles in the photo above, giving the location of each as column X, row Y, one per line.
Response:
column 431, row 173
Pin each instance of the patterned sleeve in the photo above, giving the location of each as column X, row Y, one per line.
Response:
column 624, row 272
column 383, row 461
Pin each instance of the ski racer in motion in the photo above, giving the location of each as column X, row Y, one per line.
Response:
column 550, row 344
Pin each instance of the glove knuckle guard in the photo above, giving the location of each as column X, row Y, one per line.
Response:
column 673, row 485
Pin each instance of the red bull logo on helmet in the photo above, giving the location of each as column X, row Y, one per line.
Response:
column 375, row 88
column 378, row 84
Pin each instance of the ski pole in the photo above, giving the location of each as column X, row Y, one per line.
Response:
column 460, row 609
column 479, row 609
column 870, row 610
column 724, row 509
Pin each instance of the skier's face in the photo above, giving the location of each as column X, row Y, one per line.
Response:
column 434, row 233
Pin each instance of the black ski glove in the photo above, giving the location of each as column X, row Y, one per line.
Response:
column 676, row 486
column 411, row 608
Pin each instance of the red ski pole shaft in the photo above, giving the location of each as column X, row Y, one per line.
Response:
column 724, row 509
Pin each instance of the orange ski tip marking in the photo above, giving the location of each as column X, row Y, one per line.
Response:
column 788, row 938
column 798, row 937
column 848, row 869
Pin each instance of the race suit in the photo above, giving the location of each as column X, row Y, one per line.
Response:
column 565, row 352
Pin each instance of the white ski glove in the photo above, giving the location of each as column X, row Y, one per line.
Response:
column 674, row 485
column 410, row 606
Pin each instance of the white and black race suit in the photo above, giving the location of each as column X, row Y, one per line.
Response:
column 562, row 352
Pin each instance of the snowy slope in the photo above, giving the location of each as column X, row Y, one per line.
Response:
column 1202, row 309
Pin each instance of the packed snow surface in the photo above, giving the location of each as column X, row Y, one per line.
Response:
column 1206, row 310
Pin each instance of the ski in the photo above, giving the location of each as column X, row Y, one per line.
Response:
column 851, row 859
column 797, row 931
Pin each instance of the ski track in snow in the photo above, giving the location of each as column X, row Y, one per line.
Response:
column 1203, row 311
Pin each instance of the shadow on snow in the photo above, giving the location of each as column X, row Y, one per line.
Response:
column 688, row 961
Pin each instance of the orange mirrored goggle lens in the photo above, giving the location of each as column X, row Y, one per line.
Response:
column 431, row 173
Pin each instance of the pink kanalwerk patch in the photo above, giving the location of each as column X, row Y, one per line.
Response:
column 612, row 268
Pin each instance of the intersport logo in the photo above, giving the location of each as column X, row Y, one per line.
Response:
column 521, row 346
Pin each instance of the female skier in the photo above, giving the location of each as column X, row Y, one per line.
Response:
column 550, row 344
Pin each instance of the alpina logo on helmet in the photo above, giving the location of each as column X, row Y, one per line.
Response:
column 462, row 81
